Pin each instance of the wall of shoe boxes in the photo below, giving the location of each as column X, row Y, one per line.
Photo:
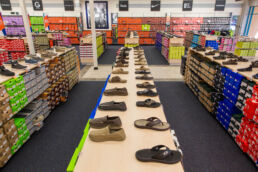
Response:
column 230, row 97
column 25, row 101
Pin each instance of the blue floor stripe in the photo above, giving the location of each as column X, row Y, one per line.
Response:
column 92, row 115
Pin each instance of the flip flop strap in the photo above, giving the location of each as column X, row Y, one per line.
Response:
column 147, row 91
column 153, row 121
column 162, row 154
column 149, row 101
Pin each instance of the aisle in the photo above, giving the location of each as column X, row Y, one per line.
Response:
column 153, row 56
column 206, row 145
column 51, row 149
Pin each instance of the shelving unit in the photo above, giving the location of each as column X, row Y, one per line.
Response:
column 246, row 47
column 171, row 47
column 14, row 25
column 41, row 41
column 226, row 94
column 146, row 28
column 86, row 52
column 37, row 24
column 67, row 24
column 108, row 34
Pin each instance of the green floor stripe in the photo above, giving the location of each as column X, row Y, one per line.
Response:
column 74, row 158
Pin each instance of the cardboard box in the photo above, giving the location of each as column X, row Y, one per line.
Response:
column 5, row 158
column 13, row 137
column 2, row 90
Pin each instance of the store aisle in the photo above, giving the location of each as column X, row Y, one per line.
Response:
column 205, row 144
column 52, row 147
column 153, row 56
column 109, row 55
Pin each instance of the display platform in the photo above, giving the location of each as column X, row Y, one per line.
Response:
column 119, row 156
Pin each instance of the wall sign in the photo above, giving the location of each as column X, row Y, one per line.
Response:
column 114, row 18
column 68, row 5
column 220, row 5
column 37, row 5
column 123, row 5
column 155, row 5
column 187, row 5
column 6, row 5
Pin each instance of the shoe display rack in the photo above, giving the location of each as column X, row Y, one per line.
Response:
column 246, row 47
column 86, row 52
column 41, row 41
column 171, row 47
column 129, row 139
column 181, row 25
column 227, row 43
column 14, row 25
column 108, row 34
column 131, row 39
column 37, row 24
column 193, row 39
column 58, row 39
column 67, row 24
column 145, row 26
column 229, row 93
column 27, row 98
column 15, row 48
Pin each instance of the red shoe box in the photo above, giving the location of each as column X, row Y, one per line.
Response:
column 251, row 108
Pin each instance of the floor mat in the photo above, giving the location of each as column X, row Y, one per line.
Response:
column 205, row 144
column 52, row 147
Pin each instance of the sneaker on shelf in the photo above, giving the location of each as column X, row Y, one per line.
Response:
column 6, row 72
column 16, row 65
column 241, row 59
column 255, row 76
column 230, row 62
column 247, row 69
column 37, row 58
column 220, row 57
column 31, row 61
column 255, row 64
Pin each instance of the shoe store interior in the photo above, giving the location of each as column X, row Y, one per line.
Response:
column 128, row 85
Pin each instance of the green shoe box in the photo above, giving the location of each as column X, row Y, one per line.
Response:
column 15, row 108
column 19, row 123
column 10, row 84
column 14, row 101
column 16, row 146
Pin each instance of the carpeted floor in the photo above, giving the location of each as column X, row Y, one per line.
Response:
column 205, row 144
column 109, row 55
column 153, row 56
column 51, row 149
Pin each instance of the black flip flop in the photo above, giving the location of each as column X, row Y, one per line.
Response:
column 147, row 92
column 155, row 154
column 148, row 103
column 145, row 85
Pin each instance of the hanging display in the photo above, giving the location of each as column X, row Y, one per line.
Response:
column 155, row 5
column 101, row 15
column 37, row 5
column 123, row 5
column 187, row 5
column 5, row 5
column 68, row 5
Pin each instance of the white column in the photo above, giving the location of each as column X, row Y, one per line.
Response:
column 93, row 33
column 27, row 26
column 83, row 11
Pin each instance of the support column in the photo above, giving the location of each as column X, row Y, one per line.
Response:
column 27, row 26
column 83, row 11
column 93, row 33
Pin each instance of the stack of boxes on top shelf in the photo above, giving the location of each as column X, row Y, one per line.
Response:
column 86, row 52
column 171, row 47
column 14, row 25
column 227, row 43
column 211, row 41
column 246, row 47
column 37, row 24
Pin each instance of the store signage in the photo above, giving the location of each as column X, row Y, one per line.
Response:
column 123, row 5
column 68, row 5
column 155, row 5
column 6, row 5
column 37, row 5
column 220, row 5
column 187, row 5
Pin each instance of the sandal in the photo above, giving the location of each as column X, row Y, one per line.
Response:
column 147, row 92
column 142, row 72
column 120, row 64
column 142, row 68
column 145, row 85
column 148, row 103
column 120, row 106
column 144, row 77
column 156, row 154
column 113, row 122
column 140, row 63
column 116, row 92
column 117, row 79
column 152, row 123
column 120, row 71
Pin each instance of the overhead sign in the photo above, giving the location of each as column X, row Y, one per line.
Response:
column 187, row 5
column 6, row 5
column 155, row 5
column 220, row 5
column 68, row 5
column 37, row 5
column 123, row 5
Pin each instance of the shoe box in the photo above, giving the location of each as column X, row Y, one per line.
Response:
column 11, row 132
column 69, row 59
column 3, row 55
column 183, row 65
column 36, row 82
column 245, row 91
column 5, row 150
column 219, row 79
column 55, row 70
column 5, row 110
column 73, row 77
column 234, row 125
column 17, row 93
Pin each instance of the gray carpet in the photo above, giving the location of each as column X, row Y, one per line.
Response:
column 51, row 149
column 153, row 56
column 109, row 55
column 206, row 145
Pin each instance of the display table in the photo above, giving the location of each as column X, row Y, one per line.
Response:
column 119, row 156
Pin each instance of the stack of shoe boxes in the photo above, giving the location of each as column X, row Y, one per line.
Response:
column 183, row 65
column 245, row 91
column 11, row 133
column 226, row 107
column 246, row 47
column 5, row 150
column 17, row 93
column 234, row 125
column 36, row 82
column 219, row 80
column 247, row 137
column 5, row 109
column 23, row 133
column 73, row 77
column 227, row 43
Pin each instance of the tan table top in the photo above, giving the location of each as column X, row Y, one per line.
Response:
column 29, row 67
column 114, row 156
column 234, row 68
